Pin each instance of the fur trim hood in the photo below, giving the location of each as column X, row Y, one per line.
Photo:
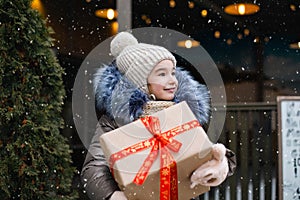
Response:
column 118, row 98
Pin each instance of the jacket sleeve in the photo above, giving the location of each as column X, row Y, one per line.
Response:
column 96, row 177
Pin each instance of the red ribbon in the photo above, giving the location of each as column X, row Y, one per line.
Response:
column 160, row 144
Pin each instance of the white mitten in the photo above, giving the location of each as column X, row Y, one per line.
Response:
column 213, row 172
column 118, row 195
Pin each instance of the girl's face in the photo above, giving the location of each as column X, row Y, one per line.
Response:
column 162, row 81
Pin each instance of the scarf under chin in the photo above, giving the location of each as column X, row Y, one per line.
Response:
column 117, row 97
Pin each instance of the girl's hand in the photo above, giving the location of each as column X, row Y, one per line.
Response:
column 213, row 172
column 118, row 195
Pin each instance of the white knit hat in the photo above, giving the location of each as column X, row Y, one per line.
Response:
column 136, row 60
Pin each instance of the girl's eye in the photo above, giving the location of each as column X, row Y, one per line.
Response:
column 173, row 73
column 161, row 74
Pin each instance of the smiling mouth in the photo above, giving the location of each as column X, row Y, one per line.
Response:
column 170, row 89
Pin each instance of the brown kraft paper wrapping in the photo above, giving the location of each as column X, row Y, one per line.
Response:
column 195, row 150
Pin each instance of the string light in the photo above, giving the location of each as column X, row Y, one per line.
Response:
column 106, row 13
column 229, row 41
column 256, row 40
column 217, row 34
column 241, row 9
column 293, row 7
column 204, row 13
column 37, row 5
column 110, row 14
column 295, row 45
column 246, row 32
column 172, row 3
column 191, row 4
column 188, row 43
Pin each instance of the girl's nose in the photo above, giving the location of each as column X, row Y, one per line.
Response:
column 172, row 79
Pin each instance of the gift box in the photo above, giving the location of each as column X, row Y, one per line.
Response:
column 154, row 157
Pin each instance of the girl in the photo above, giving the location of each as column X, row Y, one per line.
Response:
column 142, row 80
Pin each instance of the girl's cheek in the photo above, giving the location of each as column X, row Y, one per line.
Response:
column 156, row 86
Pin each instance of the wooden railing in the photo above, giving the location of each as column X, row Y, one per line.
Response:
column 250, row 130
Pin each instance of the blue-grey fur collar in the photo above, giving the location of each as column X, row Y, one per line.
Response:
column 118, row 98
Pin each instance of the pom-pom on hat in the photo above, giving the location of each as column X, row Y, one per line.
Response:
column 136, row 60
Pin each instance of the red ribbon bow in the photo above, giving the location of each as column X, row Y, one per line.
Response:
column 160, row 144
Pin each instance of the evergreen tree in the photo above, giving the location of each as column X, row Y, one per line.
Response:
column 35, row 159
